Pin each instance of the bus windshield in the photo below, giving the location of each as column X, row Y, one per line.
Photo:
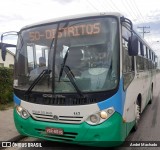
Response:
column 84, row 54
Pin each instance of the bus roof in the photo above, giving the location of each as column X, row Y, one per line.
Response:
column 74, row 17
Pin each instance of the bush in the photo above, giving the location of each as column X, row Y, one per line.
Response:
column 6, row 85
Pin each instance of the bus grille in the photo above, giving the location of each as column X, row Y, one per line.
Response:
column 61, row 119
column 67, row 136
column 61, row 101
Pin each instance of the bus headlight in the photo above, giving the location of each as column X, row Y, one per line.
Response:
column 94, row 118
column 103, row 114
column 100, row 116
column 22, row 112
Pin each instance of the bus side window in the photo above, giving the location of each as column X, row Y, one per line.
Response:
column 140, row 58
column 128, row 65
column 150, row 59
column 145, row 58
column 147, row 53
column 127, row 61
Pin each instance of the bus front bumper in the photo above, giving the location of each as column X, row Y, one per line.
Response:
column 110, row 133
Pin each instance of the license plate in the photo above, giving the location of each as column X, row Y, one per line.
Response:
column 56, row 131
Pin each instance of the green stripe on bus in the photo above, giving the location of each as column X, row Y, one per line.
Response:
column 110, row 133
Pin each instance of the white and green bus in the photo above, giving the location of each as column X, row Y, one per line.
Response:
column 82, row 79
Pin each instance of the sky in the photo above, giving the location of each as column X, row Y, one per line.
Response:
column 14, row 14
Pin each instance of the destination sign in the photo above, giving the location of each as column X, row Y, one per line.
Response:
column 72, row 31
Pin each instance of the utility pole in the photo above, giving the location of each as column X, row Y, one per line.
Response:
column 143, row 30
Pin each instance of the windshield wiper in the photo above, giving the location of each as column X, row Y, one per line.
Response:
column 40, row 76
column 70, row 76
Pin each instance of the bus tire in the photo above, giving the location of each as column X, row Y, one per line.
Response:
column 151, row 96
column 137, row 115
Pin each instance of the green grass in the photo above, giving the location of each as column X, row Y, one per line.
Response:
column 6, row 106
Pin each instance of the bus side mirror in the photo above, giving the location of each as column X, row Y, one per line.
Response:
column 3, row 47
column 3, row 51
column 133, row 45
